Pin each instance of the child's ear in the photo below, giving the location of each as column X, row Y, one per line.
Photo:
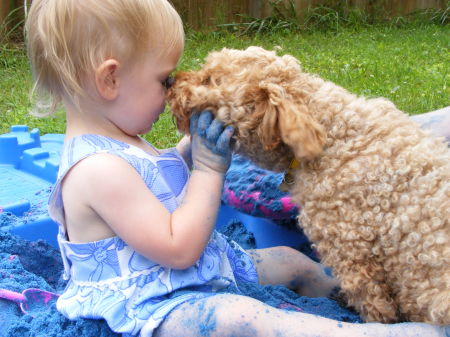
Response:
column 106, row 79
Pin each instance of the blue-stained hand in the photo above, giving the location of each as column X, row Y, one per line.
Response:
column 211, row 142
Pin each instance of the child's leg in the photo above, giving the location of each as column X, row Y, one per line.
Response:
column 240, row 316
column 287, row 266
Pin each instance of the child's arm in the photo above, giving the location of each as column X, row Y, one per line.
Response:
column 110, row 192
column 184, row 149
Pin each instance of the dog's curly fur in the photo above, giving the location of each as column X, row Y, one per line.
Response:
column 374, row 188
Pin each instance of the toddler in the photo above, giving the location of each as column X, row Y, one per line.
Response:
column 136, row 224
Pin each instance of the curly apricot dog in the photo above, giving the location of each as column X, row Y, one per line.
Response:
column 374, row 188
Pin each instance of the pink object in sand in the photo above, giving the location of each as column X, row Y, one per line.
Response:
column 30, row 300
column 252, row 203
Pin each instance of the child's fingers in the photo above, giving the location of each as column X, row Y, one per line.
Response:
column 223, row 143
column 204, row 122
column 193, row 122
column 214, row 131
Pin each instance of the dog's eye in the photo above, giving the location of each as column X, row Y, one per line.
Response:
column 168, row 82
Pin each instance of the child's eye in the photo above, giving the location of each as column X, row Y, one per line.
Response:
column 168, row 82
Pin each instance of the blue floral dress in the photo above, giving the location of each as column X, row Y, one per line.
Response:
column 109, row 280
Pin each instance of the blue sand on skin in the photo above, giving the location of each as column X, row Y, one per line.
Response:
column 25, row 264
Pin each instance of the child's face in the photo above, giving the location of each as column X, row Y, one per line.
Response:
column 142, row 94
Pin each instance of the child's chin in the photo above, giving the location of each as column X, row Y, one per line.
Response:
column 145, row 130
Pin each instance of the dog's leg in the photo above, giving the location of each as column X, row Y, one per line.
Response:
column 363, row 279
column 427, row 300
column 365, row 289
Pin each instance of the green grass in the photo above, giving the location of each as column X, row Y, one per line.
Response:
column 409, row 65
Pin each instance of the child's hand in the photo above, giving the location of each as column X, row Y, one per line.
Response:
column 211, row 148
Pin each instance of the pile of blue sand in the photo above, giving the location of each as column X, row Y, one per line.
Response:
column 25, row 264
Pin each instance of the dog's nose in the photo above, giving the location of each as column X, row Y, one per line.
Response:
column 168, row 82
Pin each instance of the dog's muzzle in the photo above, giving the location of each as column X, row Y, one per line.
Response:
column 168, row 82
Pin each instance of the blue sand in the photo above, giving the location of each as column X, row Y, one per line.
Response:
column 25, row 264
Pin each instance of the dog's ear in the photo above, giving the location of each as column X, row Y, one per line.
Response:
column 300, row 131
column 289, row 122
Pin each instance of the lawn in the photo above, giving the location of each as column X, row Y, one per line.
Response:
column 408, row 65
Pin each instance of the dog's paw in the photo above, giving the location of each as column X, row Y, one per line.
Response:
column 339, row 297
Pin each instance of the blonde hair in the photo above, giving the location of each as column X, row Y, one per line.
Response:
column 68, row 39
